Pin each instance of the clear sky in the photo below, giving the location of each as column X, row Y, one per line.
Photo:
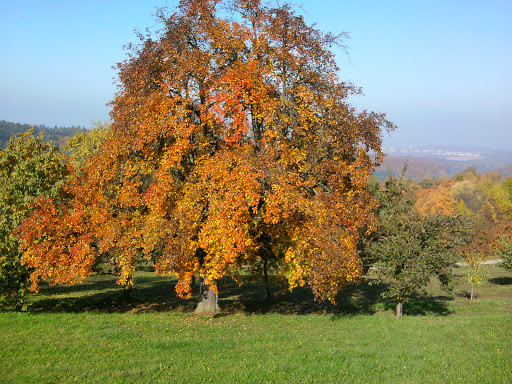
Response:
column 441, row 70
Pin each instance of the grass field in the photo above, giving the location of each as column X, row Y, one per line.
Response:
column 88, row 333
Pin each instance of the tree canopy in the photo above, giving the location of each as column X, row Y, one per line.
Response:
column 29, row 168
column 232, row 142
column 84, row 145
column 409, row 248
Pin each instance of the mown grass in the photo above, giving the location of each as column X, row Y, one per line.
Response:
column 89, row 333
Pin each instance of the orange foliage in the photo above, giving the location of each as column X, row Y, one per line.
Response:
column 231, row 137
column 437, row 200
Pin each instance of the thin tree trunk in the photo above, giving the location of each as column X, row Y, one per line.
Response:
column 208, row 300
column 399, row 310
column 267, row 281
column 473, row 293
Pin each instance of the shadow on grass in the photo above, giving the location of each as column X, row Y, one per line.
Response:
column 423, row 305
column 100, row 282
column 100, row 293
column 464, row 294
column 501, row 280
column 301, row 301
column 153, row 293
column 355, row 299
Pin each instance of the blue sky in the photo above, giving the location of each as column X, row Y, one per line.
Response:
column 441, row 70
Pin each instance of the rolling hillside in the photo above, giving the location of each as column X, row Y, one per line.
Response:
column 444, row 162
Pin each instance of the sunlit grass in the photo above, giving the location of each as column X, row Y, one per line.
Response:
column 90, row 334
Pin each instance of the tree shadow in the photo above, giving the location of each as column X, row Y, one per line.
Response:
column 101, row 294
column 465, row 294
column 423, row 305
column 99, row 282
column 504, row 280
column 152, row 293
column 364, row 298
column 250, row 298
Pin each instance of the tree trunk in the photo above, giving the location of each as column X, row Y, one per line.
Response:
column 267, row 281
column 473, row 293
column 127, row 290
column 399, row 310
column 208, row 301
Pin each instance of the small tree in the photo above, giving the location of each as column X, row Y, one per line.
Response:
column 409, row 248
column 475, row 273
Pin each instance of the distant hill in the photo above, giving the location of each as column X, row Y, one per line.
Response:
column 418, row 167
column 57, row 135
column 436, row 162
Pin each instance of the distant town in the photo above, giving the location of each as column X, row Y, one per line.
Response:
column 447, row 154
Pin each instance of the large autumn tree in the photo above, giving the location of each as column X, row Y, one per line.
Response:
column 233, row 144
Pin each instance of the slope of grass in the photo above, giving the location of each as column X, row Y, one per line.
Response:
column 89, row 334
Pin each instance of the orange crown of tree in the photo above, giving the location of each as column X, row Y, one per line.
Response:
column 232, row 140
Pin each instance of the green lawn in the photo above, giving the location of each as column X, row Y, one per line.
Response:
column 88, row 333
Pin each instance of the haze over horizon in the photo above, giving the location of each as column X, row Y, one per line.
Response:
column 440, row 70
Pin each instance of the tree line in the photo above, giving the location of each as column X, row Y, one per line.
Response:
column 54, row 134
column 232, row 149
